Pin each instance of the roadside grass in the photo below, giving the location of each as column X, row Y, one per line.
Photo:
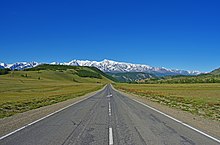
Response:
column 199, row 99
column 21, row 91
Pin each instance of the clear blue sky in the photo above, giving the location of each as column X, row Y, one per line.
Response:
column 183, row 34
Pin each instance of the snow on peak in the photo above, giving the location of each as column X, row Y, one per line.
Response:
column 21, row 65
column 114, row 66
column 107, row 66
column 2, row 64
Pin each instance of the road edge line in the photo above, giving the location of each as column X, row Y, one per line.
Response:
column 172, row 118
column 51, row 114
column 184, row 124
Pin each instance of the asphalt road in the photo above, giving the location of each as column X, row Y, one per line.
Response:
column 107, row 118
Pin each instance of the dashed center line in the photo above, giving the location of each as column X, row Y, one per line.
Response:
column 109, row 109
column 108, row 96
column 110, row 136
column 110, row 128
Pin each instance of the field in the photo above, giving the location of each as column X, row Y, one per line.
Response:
column 200, row 99
column 25, row 90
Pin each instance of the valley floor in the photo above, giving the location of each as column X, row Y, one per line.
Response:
column 22, row 91
column 112, row 117
column 207, row 125
column 199, row 99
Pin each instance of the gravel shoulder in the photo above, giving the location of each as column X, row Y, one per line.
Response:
column 208, row 126
column 16, row 121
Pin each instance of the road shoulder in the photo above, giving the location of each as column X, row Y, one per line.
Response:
column 16, row 121
column 208, row 126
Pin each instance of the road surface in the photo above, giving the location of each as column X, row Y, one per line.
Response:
column 107, row 118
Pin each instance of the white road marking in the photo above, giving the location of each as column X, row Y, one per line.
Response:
column 215, row 139
column 42, row 118
column 109, row 109
column 110, row 136
column 108, row 96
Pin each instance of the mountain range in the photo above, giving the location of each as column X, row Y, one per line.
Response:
column 108, row 66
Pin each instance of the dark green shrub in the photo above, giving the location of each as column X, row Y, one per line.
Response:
column 85, row 73
column 4, row 71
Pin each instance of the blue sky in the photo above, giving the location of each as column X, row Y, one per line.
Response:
column 183, row 34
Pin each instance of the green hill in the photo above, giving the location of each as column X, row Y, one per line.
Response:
column 131, row 76
column 45, row 85
column 216, row 72
column 213, row 77
column 71, row 73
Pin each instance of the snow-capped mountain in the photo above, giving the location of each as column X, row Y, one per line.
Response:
column 113, row 66
column 3, row 65
column 108, row 66
column 19, row 65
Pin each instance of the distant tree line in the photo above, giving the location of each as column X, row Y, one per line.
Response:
column 51, row 67
column 185, row 79
column 4, row 71
column 86, row 73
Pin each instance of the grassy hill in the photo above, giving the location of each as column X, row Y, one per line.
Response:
column 203, row 78
column 80, row 71
column 45, row 85
column 216, row 72
column 131, row 76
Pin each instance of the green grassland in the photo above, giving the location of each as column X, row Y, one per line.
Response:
column 201, row 99
column 45, row 85
column 213, row 77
